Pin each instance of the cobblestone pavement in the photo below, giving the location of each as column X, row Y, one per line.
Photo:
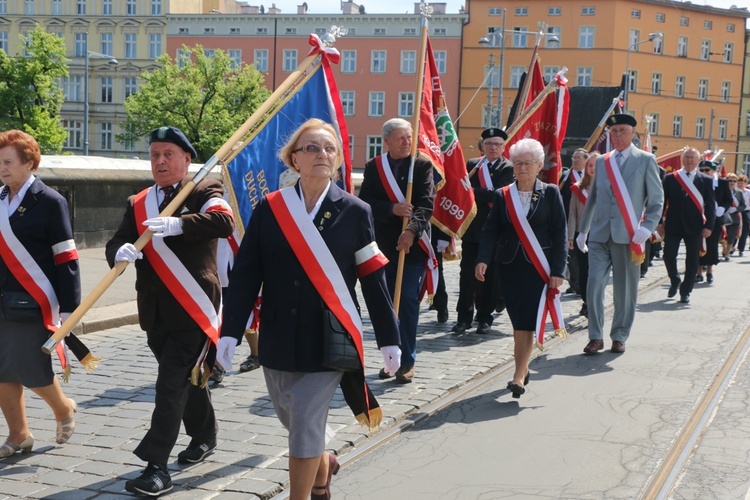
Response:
column 115, row 404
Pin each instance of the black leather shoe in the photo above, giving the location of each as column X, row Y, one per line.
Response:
column 699, row 278
column 153, row 481
column 709, row 278
column 673, row 289
column 685, row 299
column 584, row 310
column 516, row 390
column 484, row 329
column 442, row 316
column 196, row 452
column 460, row 328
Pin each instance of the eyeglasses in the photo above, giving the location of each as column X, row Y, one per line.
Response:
column 494, row 144
column 523, row 164
column 704, row 170
column 732, row 182
column 578, row 157
column 315, row 149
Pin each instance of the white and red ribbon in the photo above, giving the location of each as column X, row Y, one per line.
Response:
column 318, row 47
column 695, row 196
column 581, row 194
column 624, row 204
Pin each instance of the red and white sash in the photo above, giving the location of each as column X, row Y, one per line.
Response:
column 180, row 283
column 483, row 173
column 581, row 194
column 549, row 303
column 396, row 196
column 31, row 277
column 622, row 197
column 695, row 196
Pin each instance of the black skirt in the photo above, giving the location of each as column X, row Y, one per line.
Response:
column 522, row 289
column 21, row 358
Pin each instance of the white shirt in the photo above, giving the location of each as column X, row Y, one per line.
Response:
column 318, row 203
column 16, row 201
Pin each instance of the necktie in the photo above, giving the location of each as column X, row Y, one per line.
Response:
column 168, row 192
column 4, row 192
column 618, row 158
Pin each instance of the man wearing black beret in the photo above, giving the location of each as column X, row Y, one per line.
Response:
column 178, row 299
column 487, row 173
column 723, row 195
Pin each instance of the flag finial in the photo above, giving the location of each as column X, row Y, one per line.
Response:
column 425, row 9
column 330, row 36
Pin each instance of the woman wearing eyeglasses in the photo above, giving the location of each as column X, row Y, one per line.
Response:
column 307, row 245
column 526, row 232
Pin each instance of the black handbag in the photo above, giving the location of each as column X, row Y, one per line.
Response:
column 20, row 307
column 339, row 351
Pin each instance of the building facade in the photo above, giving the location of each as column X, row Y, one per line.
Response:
column 743, row 146
column 688, row 81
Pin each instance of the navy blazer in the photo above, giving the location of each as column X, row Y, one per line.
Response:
column 681, row 216
column 547, row 219
column 501, row 173
column 43, row 220
column 291, row 313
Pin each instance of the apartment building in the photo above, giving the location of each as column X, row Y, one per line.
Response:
column 684, row 62
column 743, row 146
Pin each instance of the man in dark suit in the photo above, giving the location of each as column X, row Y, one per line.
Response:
column 689, row 217
column 571, row 176
column 390, row 235
column 487, row 173
column 182, row 253
column 723, row 196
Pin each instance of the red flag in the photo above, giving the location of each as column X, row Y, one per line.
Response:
column 537, row 84
column 454, row 203
column 671, row 161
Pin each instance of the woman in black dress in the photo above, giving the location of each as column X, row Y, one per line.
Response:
column 503, row 237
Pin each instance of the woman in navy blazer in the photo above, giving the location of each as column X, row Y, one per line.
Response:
column 521, row 284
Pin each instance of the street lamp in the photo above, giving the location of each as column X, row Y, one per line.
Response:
column 110, row 61
column 651, row 38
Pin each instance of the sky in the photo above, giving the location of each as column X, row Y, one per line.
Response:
column 402, row 6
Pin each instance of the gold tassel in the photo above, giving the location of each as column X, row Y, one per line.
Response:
column 90, row 362
column 66, row 374
column 637, row 258
column 540, row 346
column 195, row 375
column 205, row 375
column 376, row 417
column 562, row 332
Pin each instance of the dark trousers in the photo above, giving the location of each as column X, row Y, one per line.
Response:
column 582, row 259
column 745, row 231
column 473, row 292
column 711, row 257
column 574, row 273
column 177, row 400
column 692, row 257
column 440, row 300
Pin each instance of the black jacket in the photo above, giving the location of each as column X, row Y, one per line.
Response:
column 681, row 216
column 501, row 173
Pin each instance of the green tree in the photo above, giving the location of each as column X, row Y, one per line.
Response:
column 205, row 97
column 30, row 99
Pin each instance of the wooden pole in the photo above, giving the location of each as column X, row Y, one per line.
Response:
column 599, row 128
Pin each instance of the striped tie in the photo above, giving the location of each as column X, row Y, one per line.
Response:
column 618, row 159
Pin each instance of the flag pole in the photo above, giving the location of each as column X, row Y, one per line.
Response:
column 424, row 13
column 599, row 128
column 538, row 100
column 227, row 151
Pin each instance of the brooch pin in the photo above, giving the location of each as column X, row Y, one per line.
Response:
column 535, row 197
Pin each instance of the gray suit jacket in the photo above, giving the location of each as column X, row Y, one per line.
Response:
column 601, row 218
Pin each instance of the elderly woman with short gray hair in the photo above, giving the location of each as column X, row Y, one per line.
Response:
column 525, row 226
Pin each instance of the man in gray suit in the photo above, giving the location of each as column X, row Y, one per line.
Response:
column 609, row 240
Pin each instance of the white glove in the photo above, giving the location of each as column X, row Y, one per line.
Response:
column 719, row 211
column 225, row 352
column 164, row 226
column 442, row 245
column 391, row 358
column 581, row 242
column 641, row 235
column 731, row 210
column 128, row 253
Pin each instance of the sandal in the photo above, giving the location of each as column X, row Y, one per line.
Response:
column 65, row 428
column 251, row 363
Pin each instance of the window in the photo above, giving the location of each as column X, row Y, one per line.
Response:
column 57, row 7
column 81, row 7
column 633, row 38
column 519, row 39
column 379, row 32
column 703, row 89
column 106, row 136
column 130, row 7
column 377, row 103
column 107, row 88
column 728, row 52
column 441, row 61
column 260, row 59
column 408, row 61
column 28, row 7
column 730, row 28
column 234, row 31
column 320, row 31
column 489, row 116
column 496, row 11
column 155, row 7
column 74, row 139
column 81, row 43
column 183, row 31
column 290, row 31
column 347, row 102
column 708, row 25
column 653, row 127
column 747, row 123
column 556, row 31
column 554, row 11
column 677, row 126
column 72, row 87
column 290, row 60
column 130, row 84
column 658, row 45
column 182, row 58
column 209, row 53
column 705, row 49
column 725, row 90
column 235, row 56
column 351, row 32
column 3, row 6
column 746, row 164
column 106, row 7
column 632, row 80
column 584, row 76
column 410, row 31
column 261, row 31
column 374, row 146
column 700, row 128
column 106, row 47
column 549, row 72
column 635, row 13
column 438, row 31
column 586, row 37
column 682, row 46
column 4, row 41
column 154, row 45
column 660, row 17
column 130, row 47
column 491, row 76
column 656, row 83
column 588, row 11
column 515, row 76
column 684, row 21
column 378, row 61
column 679, row 87
column 723, row 125
column 405, row 104
column 209, row 31
column 522, row 11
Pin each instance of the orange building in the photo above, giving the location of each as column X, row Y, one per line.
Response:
column 688, row 81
